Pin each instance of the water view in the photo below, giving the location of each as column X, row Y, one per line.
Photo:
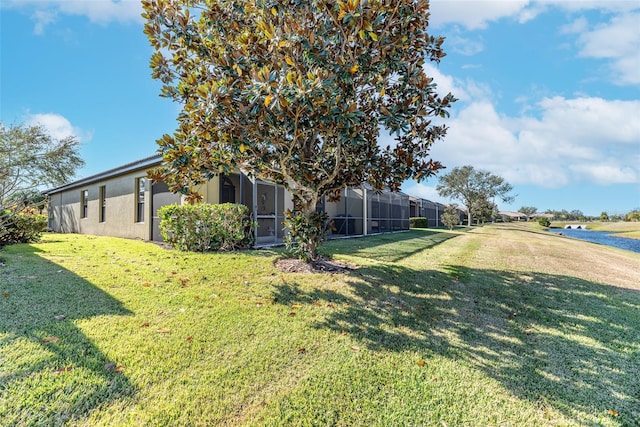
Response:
column 602, row 237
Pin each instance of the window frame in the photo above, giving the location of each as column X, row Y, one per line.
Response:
column 103, row 203
column 140, row 199
column 84, row 203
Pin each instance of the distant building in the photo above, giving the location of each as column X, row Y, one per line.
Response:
column 512, row 216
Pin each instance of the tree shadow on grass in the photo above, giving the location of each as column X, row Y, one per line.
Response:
column 550, row 339
column 51, row 373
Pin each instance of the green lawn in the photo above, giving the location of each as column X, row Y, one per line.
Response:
column 499, row 325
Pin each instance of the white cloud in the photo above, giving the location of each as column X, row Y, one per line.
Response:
column 559, row 142
column 610, row 6
column 45, row 12
column 478, row 14
column 58, row 126
column 465, row 45
column 605, row 173
column 473, row 14
column 424, row 190
column 103, row 11
column 42, row 18
column 446, row 83
column 619, row 41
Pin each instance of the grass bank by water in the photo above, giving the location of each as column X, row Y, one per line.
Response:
column 630, row 230
column 501, row 325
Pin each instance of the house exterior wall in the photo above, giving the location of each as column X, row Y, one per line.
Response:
column 360, row 211
column 120, row 213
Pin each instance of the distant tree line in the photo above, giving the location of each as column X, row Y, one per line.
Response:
column 578, row 215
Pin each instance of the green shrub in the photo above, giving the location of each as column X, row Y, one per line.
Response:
column 21, row 227
column 545, row 222
column 418, row 222
column 205, row 227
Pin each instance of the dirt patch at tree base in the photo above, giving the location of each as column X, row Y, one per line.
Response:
column 322, row 265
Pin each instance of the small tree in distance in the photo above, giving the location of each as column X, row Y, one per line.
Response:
column 633, row 216
column 451, row 216
column 30, row 158
column 473, row 188
column 296, row 93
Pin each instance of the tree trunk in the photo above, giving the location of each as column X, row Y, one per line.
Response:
column 308, row 208
column 307, row 228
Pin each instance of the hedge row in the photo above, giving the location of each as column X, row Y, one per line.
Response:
column 418, row 222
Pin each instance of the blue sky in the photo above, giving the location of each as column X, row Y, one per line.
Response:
column 549, row 92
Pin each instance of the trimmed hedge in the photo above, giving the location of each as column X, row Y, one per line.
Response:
column 21, row 227
column 418, row 222
column 205, row 227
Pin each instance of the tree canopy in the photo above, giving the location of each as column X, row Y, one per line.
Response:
column 31, row 158
column 528, row 210
column 297, row 92
column 476, row 189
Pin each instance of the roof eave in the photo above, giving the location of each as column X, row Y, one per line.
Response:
column 145, row 163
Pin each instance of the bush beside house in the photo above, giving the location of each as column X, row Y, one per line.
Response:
column 418, row 222
column 21, row 227
column 206, row 227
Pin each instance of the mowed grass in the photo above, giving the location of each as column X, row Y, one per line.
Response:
column 499, row 325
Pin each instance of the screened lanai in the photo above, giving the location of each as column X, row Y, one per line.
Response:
column 360, row 211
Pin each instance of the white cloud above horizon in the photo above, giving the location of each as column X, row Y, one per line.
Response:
column 554, row 141
column 57, row 126
column 570, row 141
column 619, row 41
column 46, row 12
column 473, row 14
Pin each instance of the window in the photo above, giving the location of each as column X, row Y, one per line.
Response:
column 141, row 184
column 227, row 190
column 84, row 203
column 103, row 203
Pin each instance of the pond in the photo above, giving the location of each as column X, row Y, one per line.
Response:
column 602, row 237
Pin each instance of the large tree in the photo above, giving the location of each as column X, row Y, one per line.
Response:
column 474, row 188
column 297, row 93
column 30, row 159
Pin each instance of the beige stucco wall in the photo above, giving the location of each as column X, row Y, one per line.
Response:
column 120, row 212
